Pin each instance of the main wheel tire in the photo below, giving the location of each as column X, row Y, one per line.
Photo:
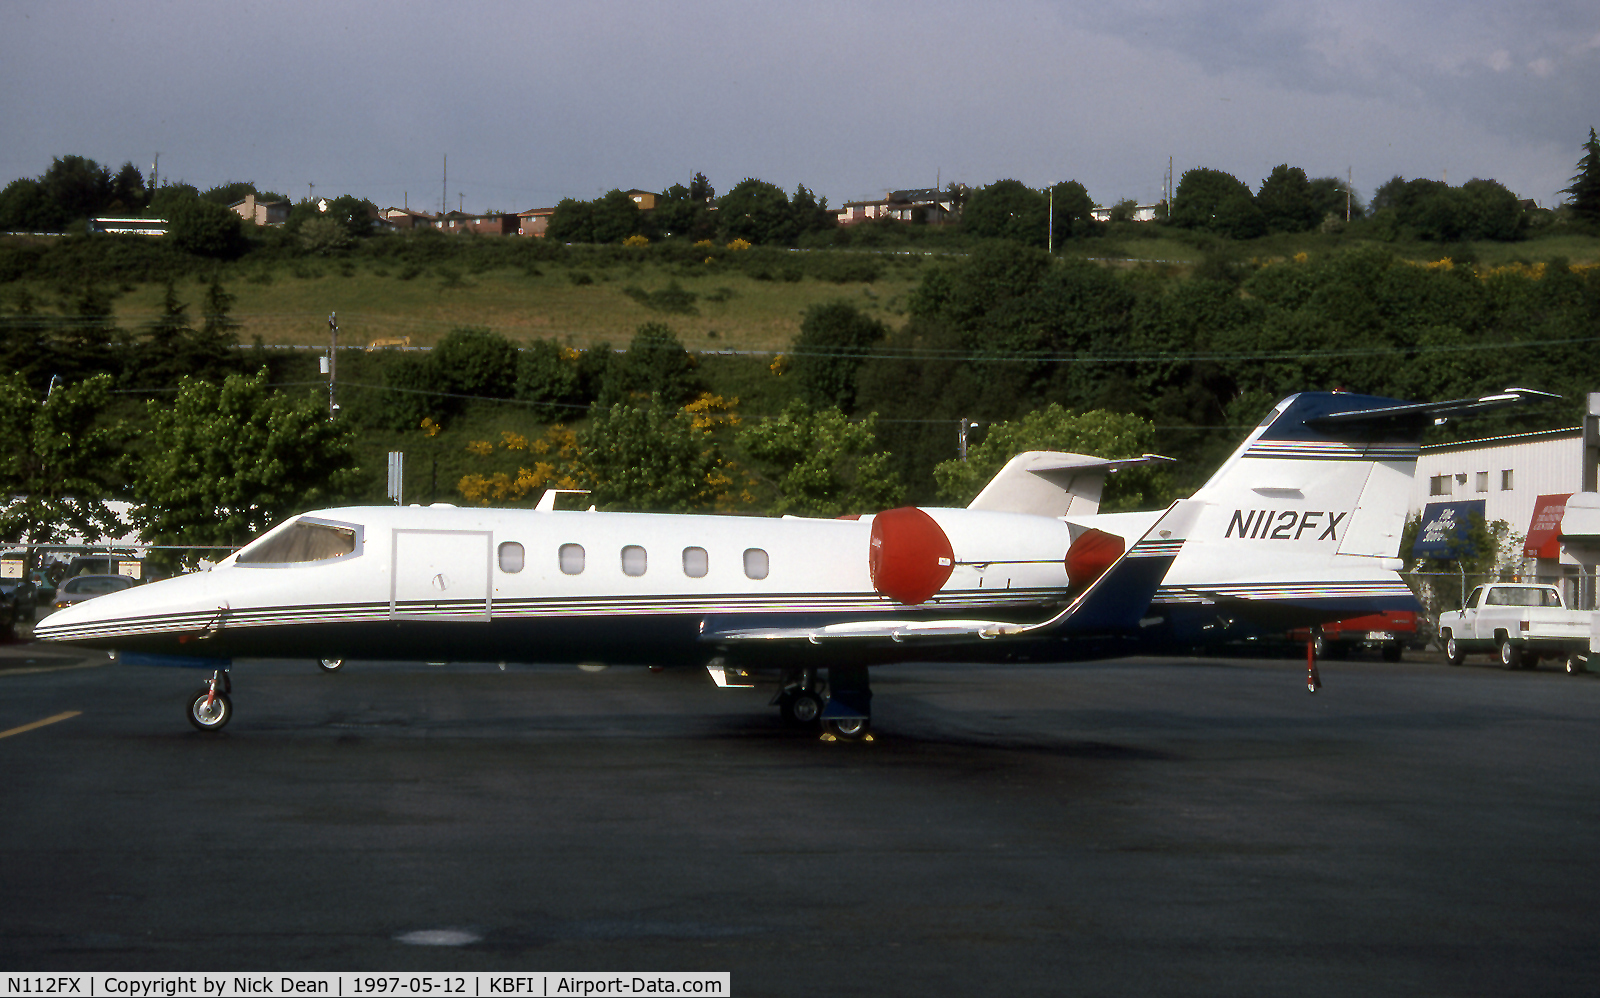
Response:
column 1319, row 646
column 805, row 707
column 211, row 716
column 848, row 728
column 330, row 664
column 1452, row 651
column 1393, row 651
column 1510, row 655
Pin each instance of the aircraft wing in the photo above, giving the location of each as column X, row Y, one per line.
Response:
column 1114, row 602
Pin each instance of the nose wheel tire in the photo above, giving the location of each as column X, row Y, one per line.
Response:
column 208, row 711
column 330, row 664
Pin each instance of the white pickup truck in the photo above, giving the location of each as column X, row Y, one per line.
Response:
column 1521, row 623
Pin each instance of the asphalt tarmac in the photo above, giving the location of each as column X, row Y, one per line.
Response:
column 1144, row 826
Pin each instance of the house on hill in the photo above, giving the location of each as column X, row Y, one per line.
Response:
column 261, row 212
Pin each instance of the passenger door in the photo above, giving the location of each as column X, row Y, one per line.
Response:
column 441, row 575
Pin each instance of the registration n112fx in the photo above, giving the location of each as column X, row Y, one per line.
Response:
column 1301, row 525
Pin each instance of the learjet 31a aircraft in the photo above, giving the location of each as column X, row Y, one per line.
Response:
column 1300, row 526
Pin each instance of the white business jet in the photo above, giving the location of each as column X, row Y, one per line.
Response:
column 1300, row 525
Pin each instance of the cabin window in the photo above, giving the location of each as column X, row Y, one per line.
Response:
column 755, row 563
column 570, row 557
column 634, row 561
column 695, row 563
column 511, row 557
column 302, row 542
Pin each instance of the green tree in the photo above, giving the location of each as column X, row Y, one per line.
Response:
column 164, row 354
column 58, row 460
column 1074, row 211
column 1098, row 433
column 25, row 345
column 572, row 221
column 700, row 189
column 820, row 463
column 614, row 217
column 757, row 212
column 547, row 373
column 652, row 457
column 1585, row 189
column 1213, row 201
column 322, row 236
column 1331, row 195
column 77, row 187
column 1286, row 201
column 204, row 228
column 229, row 193
column 655, row 364
column 212, row 349
column 1007, row 209
column 128, row 195
column 25, row 207
column 472, row 360
column 679, row 213
column 225, row 462
column 833, row 341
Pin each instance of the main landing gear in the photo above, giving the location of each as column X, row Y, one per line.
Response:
column 843, row 704
column 210, row 708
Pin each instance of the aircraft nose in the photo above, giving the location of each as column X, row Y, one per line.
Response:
column 145, row 609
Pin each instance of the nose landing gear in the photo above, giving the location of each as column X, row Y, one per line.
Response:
column 210, row 708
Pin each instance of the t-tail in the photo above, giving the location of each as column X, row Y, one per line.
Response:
column 1302, row 524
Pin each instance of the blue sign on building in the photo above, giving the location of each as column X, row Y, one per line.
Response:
column 1444, row 529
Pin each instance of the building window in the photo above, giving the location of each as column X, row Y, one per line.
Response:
column 571, row 559
column 1483, row 481
column 511, row 557
column 695, row 563
column 1505, row 480
column 633, row 560
column 755, row 563
column 1439, row 485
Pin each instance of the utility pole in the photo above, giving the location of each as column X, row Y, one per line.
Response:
column 311, row 191
column 333, row 360
column 1050, row 247
column 154, row 173
column 459, row 197
column 962, row 445
column 444, row 187
column 1348, row 173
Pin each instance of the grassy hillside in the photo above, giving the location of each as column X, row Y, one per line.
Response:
column 731, row 309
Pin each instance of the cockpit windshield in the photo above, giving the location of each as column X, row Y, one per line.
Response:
column 302, row 542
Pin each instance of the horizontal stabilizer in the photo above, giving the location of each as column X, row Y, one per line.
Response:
column 1053, row 483
column 1436, row 410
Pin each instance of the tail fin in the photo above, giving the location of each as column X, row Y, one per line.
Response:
column 1302, row 524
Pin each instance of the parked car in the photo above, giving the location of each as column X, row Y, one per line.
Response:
column 82, row 587
column 1520, row 623
column 1389, row 632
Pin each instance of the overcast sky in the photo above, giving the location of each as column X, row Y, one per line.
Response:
column 533, row 102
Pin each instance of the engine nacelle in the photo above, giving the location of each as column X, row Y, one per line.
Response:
column 910, row 557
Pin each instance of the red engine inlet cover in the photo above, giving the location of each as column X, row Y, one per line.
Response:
column 910, row 556
column 1090, row 555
